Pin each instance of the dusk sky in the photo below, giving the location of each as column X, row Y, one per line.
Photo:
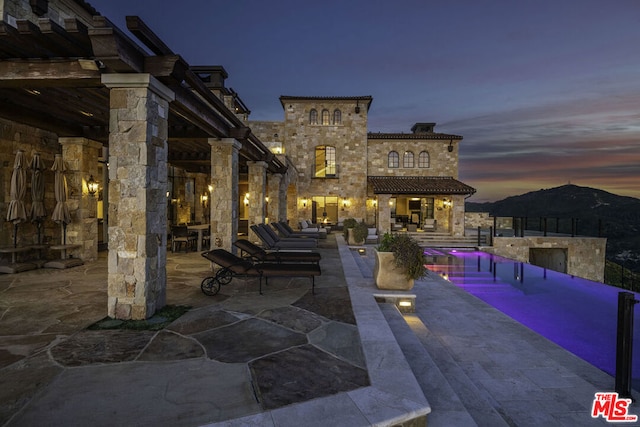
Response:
column 544, row 92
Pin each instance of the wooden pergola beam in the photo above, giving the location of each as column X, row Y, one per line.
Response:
column 114, row 49
column 32, row 73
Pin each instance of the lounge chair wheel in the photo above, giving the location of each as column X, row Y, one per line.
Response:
column 224, row 276
column 210, row 286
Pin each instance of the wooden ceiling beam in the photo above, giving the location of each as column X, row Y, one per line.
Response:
column 33, row 73
column 79, row 32
column 20, row 114
column 117, row 52
column 70, row 45
column 165, row 67
column 31, row 33
column 139, row 29
column 197, row 112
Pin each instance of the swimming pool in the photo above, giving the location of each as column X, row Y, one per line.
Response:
column 578, row 314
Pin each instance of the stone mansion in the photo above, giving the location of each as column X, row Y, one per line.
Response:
column 167, row 142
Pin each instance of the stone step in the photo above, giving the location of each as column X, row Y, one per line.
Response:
column 454, row 399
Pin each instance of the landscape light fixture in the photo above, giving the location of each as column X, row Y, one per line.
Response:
column 92, row 185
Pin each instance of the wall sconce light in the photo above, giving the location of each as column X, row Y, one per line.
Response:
column 210, row 188
column 345, row 202
column 304, row 202
column 450, row 147
column 446, row 203
column 374, row 203
column 246, row 199
column 357, row 107
column 92, row 185
column 204, row 198
column 266, row 199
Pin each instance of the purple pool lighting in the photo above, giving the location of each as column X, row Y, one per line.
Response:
column 578, row 314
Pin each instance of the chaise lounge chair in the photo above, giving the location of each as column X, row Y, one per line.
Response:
column 278, row 243
column 257, row 254
column 319, row 233
column 289, row 234
column 233, row 265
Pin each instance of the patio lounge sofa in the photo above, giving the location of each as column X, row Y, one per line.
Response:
column 308, row 227
column 257, row 254
column 241, row 267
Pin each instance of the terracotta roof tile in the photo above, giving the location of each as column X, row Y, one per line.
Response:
column 418, row 185
column 445, row 136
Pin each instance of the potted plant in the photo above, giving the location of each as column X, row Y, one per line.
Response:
column 399, row 261
column 355, row 232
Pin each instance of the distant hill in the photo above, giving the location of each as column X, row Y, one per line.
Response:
column 619, row 215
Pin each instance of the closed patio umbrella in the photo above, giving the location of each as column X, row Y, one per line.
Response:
column 16, row 212
column 60, row 213
column 38, row 211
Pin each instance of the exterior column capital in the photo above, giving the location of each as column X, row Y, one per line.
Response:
column 133, row 81
column 258, row 163
column 90, row 143
column 214, row 142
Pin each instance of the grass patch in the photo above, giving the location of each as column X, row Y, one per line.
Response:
column 159, row 320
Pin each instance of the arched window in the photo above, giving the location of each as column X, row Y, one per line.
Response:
column 337, row 117
column 313, row 117
column 394, row 159
column 423, row 159
column 325, row 117
column 325, row 161
column 407, row 159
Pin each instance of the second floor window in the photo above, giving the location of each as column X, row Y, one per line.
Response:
column 394, row 160
column 313, row 117
column 337, row 117
column 325, row 117
column 423, row 159
column 325, row 161
column 407, row 159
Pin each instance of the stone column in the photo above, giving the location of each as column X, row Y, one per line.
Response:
column 276, row 199
column 224, row 197
column 257, row 191
column 137, row 195
column 81, row 158
column 384, row 214
column 457, row 215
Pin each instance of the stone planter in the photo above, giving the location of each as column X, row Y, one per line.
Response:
column 350, row 239
column 387, row 275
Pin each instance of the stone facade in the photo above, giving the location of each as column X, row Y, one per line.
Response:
column 442, row 162
column 585, row 255
column 299, row 139
column 81, row 158
column 57, row 11
column 357, row 154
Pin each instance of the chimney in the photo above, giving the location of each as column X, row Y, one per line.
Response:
column 423, row 128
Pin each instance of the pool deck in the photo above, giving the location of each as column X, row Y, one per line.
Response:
column 475, row 365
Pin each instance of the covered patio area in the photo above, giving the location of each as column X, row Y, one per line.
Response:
column 166, row 141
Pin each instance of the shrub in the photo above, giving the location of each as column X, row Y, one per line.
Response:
column 347, row 224
column 406, row 252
